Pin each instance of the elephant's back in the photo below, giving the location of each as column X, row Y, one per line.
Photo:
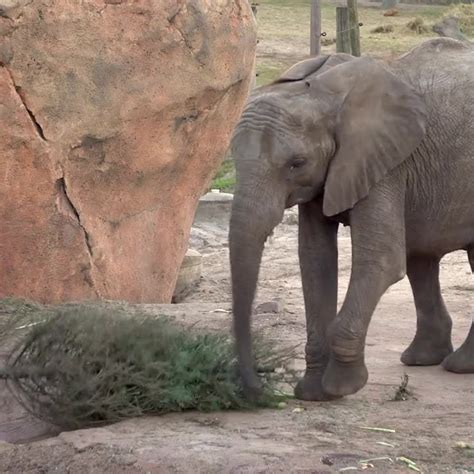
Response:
column 437, row 55
column 438, row 66
column 442, row 70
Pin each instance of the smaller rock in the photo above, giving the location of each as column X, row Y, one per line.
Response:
column 275, row 306
column 189, row 275
column 84, row 439
column 214, row 208
column 391, row 12
column 290, row 217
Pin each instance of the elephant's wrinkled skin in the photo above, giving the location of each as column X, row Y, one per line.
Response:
column 386, row 149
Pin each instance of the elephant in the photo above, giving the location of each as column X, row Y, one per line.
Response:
column 386, row 148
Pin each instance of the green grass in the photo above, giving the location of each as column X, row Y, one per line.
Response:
column 224, row 180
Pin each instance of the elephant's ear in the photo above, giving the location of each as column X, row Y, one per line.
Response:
column 309, row 67
column 380, row 121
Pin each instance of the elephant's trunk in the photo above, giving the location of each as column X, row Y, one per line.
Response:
column 254, row 215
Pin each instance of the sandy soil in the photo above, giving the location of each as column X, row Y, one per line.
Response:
column 323, row 437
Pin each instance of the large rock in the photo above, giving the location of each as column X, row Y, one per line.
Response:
column 114, row 115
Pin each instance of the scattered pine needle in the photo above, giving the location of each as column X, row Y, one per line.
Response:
column 383, row 443
column 381, row 458
column 374, row 428
column 409, row 463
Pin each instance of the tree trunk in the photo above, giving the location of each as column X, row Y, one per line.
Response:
column 386, row 4
column 343, row 41
column 315, row 42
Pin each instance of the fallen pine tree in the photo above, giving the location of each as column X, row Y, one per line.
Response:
column 80, row 365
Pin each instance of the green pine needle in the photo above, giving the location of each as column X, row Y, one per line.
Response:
column 82, row 365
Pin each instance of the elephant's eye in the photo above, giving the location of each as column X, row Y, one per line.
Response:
column 296, row 163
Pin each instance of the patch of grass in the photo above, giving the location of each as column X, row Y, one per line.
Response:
column 269, row 70
column 418, row 26
column 403, row 393
column 224, row 180
column 382, row 29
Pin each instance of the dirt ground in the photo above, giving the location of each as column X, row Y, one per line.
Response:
column 320, row 437
column 301, row 437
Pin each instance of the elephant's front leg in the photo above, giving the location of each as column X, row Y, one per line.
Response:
column 318, row 262
column 378, row 261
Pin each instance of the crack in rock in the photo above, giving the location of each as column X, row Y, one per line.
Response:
column 73, row 212
column 35, row 122
column 173, row 16
column 31, row 115
column 61, row 183
column 172, row 22
column 66, row 206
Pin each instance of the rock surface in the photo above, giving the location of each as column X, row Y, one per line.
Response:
column 214, row 208
column 275, row 306
column 113, row 116
column 188, row 276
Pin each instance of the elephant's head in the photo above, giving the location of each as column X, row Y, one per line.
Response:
column 330, row 127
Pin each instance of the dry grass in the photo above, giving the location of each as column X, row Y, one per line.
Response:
column 283, row 27
column 465, row 15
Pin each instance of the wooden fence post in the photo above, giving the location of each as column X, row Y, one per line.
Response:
column 343, row 41
column 315, row 40
column 354, row 27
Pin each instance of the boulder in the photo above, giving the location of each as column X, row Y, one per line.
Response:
column 214, row 208
column 275, row 306
column 188, row 275
column 114, row 115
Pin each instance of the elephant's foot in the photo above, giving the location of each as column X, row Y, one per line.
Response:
column 460, row 361
column 310, row 388
column 342, row 379
column 426, row 351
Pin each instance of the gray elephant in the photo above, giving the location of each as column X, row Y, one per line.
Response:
column 385, row 148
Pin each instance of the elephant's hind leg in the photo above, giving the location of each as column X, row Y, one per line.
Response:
column 462, row 360
column 432, row 342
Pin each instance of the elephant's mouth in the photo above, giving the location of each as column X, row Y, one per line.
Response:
column 300, row 196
